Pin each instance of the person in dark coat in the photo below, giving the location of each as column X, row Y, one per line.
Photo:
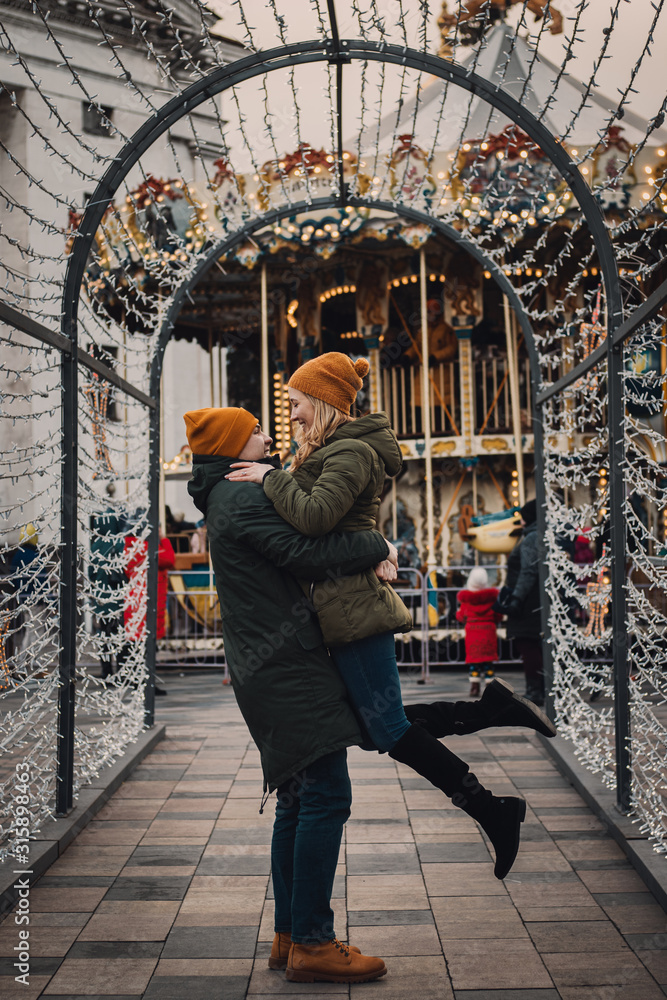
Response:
column 476, row 612
column 291, row 697
column 524, row 603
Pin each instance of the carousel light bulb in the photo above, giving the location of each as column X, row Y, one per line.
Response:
column 523, row 154
column 487, row 274
column 551, row 196
column 484, row 145
column 585, row 171
column 649, row 170
column 500, row 155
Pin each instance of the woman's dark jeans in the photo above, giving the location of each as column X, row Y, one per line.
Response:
column 370, row 672
column 311, row 812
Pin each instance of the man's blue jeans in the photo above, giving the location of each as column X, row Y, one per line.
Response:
column 311, row 812
column 368, row 668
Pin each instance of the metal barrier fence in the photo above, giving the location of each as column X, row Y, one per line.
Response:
column 193, row 636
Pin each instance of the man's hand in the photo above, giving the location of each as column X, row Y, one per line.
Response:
column 248, row 472
column 386, row 570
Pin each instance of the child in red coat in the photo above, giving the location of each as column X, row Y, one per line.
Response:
column 476, row 602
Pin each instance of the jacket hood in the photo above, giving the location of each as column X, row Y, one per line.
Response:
column 478, row 596
column 208, row 470
column 376, row 431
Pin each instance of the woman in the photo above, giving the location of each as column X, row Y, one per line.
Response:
column 335, row 482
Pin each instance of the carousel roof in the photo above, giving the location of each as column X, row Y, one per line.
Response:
column 571, row 109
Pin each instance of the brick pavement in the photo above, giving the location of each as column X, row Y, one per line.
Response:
column 166, row 894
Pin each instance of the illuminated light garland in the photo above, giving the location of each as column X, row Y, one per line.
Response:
column 140, row 259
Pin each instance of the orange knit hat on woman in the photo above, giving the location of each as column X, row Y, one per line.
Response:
column 332, row 377
column 219, row 430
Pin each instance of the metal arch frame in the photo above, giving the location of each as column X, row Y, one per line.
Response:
column 337, row 51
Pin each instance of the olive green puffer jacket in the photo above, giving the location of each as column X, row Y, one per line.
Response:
column 339, row 486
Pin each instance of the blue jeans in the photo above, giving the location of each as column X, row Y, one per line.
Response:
column 368, row 668
column 311, row 811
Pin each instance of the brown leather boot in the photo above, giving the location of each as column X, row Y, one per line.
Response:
column 282, row 943
column 331, row 962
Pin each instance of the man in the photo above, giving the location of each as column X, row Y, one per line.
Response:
column 290, row 695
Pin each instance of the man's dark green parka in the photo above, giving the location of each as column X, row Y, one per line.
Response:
column 287, row 687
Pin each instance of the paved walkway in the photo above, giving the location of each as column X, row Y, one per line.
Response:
column 166, row 894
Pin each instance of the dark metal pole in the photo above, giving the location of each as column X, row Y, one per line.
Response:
column 540, row 497
column 619, row 625
column 153, row 545
column 68, row 569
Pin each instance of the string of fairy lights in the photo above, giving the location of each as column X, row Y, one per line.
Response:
column 260, row 148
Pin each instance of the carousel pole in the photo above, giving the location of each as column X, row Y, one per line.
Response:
column 161, row 490
column 222, row 374
column 210, row 365
column 265, row 354
column 394, row 510
column 512, row 365
column 426, row 414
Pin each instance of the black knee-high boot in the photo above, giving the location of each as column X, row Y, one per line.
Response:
column 499, row 816
column 498, row 706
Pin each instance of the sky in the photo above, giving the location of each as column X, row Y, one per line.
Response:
column 628, row 36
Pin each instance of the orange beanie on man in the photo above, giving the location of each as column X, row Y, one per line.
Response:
column 219, row 430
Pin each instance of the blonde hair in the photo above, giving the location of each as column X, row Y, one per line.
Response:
column 326, row 421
